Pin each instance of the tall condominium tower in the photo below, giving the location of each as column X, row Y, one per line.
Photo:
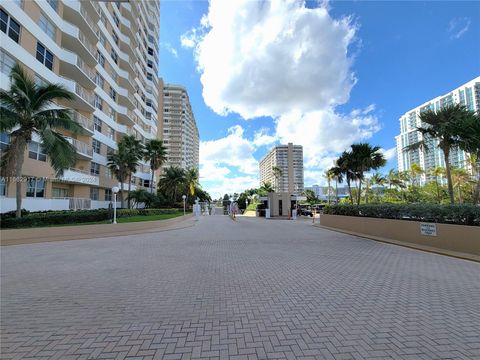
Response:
column 468, row 95
column 106, row 53
column 178, row 127
column 289, row 158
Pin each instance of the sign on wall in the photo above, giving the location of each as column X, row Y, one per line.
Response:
column 428, row 229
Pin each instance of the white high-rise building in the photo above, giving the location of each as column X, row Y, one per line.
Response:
column 469, row 95
column 289, row 158
column 178, row 127
column 106, row 54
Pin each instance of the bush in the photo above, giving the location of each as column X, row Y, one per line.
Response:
column 43, row 218
column 445, row 214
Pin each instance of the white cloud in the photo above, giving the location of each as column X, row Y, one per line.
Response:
column 389, row 153
column 167, row 46
column 458, row 26
column 283, row 60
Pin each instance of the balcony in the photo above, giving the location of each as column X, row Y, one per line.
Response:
column 79, row 176
column 85, row 95
column 73, row 67
column 76, row 13
column 84, row 150
column 86, row 123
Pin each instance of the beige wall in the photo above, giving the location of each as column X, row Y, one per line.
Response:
column 458, row 240
column 274, row 198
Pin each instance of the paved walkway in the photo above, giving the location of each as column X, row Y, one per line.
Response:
column 250, row 289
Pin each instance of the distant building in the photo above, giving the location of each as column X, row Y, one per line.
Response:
column 317, row 190
column 469, row 95
column 178, row 127
column 289, row 158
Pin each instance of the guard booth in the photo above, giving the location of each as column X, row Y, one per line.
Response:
column 280, row 204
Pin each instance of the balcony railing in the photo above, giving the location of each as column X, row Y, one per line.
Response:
column 84, row 121
column 86, row 43
column 88, row 97
column 79, row 203
column 88, row 19
column 81, row 147
column 86, row 69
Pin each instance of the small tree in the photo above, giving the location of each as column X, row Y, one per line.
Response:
column 156, row 154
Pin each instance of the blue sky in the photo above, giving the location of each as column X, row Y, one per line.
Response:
column 321, row 75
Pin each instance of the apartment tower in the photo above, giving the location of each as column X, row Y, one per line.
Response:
column 289, row 158
column 469, row 95
column 178, row 127
column 106, row 53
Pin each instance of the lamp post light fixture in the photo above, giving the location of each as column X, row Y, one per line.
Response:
column 184, row 197
column 115, row 191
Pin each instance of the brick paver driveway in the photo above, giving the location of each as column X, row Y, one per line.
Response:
column 251, row 289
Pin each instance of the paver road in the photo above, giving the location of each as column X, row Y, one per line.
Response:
column 251, row 289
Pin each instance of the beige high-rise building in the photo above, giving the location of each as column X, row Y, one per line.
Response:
column 106, row 53
column 289, row 158
column 178, row 127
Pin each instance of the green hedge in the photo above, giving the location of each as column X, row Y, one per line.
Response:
column 446, row 214
column 43, row 218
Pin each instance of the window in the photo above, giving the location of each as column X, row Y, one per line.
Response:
column 35, row 151
column 148, row 102
column 150, row 51
column 149, row 77
column 108, row 195
column 9, row 26
column 115, row 37
column 59, row 193
column 98, row 102
column 108, row 173
column 102, row 38
column 150, row 63
column 94, row 168
column 113, row 114
column 4, row 141
column 114, row 56
column 113, row 94
column 3, row 186
column 111, row 133
column 99, row 80
column 93, row 193
column 53, row 4
column 110, row 151
column 146, row 183
column 6, row 62
column 44, row 56
column 35, row 188
column 116, row 19
column 97, row 124
column 100, row 59
column 96, row 146
column 47, row 26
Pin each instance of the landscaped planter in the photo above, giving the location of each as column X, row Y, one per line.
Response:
column 457, row 240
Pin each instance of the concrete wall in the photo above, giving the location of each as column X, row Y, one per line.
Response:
column 457, row 240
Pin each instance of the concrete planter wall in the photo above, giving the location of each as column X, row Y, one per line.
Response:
column 456, row 240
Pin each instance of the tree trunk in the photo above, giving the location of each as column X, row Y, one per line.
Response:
column 336, row 190
column 121, row 193
column 446, row 153
column 18, row 182
column 129, row 188
column 476, row 195
column 328, row 191
column 366, row 191
column 350, row 191
column 359, row 195
column 151, row 182
column 438, row 191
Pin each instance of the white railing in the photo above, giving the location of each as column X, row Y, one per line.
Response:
column 86, row 43
column 84, row 121
column 81, row 147
column 88, row 97
column 79, row 203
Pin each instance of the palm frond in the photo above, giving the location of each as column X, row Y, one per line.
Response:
column 61, row 153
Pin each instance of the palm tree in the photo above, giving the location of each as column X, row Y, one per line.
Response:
column 459, row 178
column 394, row 179
column 172, row 183
column 378, row 179
column 265, row 188
column 277, row 173
column 156, row 154
column 329, row 175
column 118, row 165
column 134, row 153
column 345, row 165
column 444, row 125
column 337, row 175
column 191, row 181
column 365, row 158
column 436, row 173
column 27, row 109
column 414, row 172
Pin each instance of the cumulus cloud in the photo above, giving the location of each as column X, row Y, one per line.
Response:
column 458, row 26
column 389, row 153
column 284, row 60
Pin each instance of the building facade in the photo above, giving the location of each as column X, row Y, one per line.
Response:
column 289, row 158
column 178, row 127
column 469, row 95
column 106, row 54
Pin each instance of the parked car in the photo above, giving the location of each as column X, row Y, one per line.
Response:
column 304, row 211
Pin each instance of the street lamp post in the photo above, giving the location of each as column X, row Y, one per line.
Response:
column 184, row 198
column 115, row 191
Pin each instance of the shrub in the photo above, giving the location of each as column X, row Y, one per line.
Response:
column 446, row 214
column 43, row 218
